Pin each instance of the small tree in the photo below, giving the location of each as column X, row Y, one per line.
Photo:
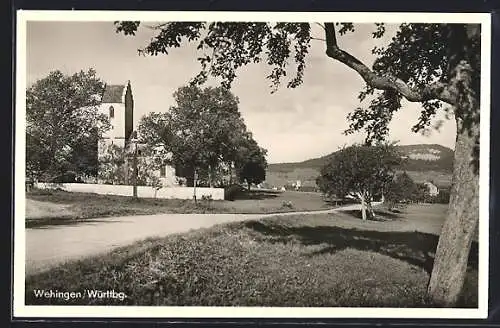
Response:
column 148, row 167
column 112, row 159
column 250, row 161
column 360, row 171
column 401, row 188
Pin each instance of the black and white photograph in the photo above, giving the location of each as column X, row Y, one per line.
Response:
column 232, row 164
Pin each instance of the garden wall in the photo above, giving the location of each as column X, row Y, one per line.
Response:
column 142, row 191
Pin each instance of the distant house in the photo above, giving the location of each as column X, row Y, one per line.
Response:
column 432, row 189
column 117, row 103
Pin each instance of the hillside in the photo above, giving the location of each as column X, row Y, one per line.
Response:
column 422, row 162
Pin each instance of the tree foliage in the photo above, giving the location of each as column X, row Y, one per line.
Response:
column 112, row 161
column 360, row 171
column 416, row 65
column 116, row 165
column 205, row 132
column 63, row 124
column 250, row 162
column 401, row 188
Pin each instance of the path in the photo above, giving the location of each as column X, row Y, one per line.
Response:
column 52, row 245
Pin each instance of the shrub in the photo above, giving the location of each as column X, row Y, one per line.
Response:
column 443, row 197
column 206, row 198
column 40, row 192
column 232, row 192
column 67, row 177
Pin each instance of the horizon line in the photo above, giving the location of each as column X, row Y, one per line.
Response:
column 319, row 156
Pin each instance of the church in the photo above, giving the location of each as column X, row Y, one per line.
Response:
column 117, row 103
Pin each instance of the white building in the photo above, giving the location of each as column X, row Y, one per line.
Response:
column 117, row 103
column 432, row 189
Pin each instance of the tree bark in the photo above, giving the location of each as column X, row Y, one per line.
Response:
column 449, row 270
column 363, row 208
column 371, row 213
column 437, row 90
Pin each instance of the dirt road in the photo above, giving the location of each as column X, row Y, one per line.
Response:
column 51, row 245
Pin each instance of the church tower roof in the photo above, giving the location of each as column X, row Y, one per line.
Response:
column 113, row 93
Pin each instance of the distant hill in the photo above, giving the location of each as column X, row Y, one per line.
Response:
column 422, row 162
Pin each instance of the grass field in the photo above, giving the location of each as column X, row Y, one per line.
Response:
column 315, row 260
column 50, row 207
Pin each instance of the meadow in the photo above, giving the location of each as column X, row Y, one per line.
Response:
column 318, row 260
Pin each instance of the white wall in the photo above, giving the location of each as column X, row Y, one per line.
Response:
column 117, row 122
column 142, row 191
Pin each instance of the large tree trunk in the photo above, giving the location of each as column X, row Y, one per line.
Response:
column 450, row 265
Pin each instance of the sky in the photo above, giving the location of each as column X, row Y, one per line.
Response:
column 292, row 124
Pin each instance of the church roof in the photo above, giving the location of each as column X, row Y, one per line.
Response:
column 113, row 93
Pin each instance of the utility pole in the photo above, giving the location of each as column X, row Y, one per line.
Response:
column 195, row 178
column 134, row 164
column 135, row 169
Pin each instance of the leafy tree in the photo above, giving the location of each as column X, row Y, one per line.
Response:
column 62, row 119
column 251, row 161
column 414, row 66
column 155, row 130
column 116, row 165
column 199, row 132
column 149, row 162
column 84, row 158
column 112, row 161
column 401, row 188
column 361, row 171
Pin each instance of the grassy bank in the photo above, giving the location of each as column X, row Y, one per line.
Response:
column 316, row 260
column 54, row 207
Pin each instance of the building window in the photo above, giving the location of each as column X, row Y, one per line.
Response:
column 163, row 171
column 111, row 111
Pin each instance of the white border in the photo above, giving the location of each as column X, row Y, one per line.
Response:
column 21, row 310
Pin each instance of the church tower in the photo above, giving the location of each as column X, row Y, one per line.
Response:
column 117, row 104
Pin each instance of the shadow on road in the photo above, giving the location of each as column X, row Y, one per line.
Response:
column 257, row 194
column 49, row 223
column 415, row 248
column 380, row 215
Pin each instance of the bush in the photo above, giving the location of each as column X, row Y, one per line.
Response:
column 233, row 191
column 206, row 198
column 308, row 189
column 41, row 192
column 67, row 177
column 443, row 197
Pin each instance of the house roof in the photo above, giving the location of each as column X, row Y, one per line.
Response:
column 113, row 93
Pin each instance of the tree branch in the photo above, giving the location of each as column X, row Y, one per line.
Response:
column 321, row 25
column 157, row 26
column 437, row 90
